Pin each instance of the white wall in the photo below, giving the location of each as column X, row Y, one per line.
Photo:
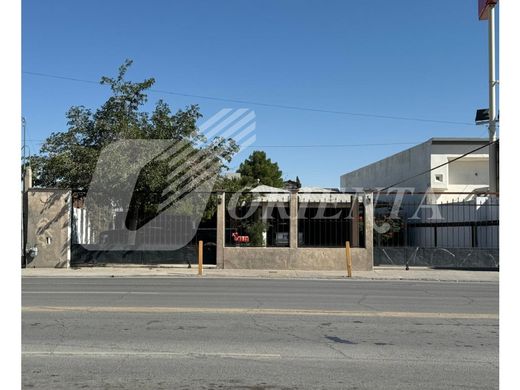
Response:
column 469, row 172
column 421, row 158
column 465, row 175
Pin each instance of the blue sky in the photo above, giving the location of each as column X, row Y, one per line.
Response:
column 420, row 59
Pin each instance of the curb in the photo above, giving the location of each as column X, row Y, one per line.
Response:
column 270, row 277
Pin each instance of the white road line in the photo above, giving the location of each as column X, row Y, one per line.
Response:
column 254, row 311
column 252, row 356
column 100, row 292
column 150, row 354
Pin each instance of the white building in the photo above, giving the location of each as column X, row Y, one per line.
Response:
column 467, row 174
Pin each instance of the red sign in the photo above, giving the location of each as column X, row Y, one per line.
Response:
column 483, row 8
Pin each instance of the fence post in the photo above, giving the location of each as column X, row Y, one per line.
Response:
column 221, row 228
column 200, row 258
column 349, row 259
column 293, row 219
column 354, row 222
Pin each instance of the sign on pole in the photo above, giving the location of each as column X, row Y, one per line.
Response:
column 483, row 8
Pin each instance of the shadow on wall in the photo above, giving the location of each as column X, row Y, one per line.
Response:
column 47, row 227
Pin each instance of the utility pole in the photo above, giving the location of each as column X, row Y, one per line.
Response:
column 487, row 10
column 493, row 168
column 24, row 160
column 24, row 196
column 27, row 172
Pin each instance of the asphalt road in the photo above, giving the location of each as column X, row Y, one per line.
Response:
column 189, row 333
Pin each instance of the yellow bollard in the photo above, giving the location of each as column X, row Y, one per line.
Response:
column 200, row 258
column 349, row 259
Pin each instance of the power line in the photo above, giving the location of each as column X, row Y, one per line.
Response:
column 438, row 166
column 42, row 141
column 332, row 145
column 263, row 104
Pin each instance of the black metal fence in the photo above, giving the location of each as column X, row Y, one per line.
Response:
column 458, row 232
column 324, row 220
column 454, row 232
column 258, row 226
column 331, row 226
column 100, row 236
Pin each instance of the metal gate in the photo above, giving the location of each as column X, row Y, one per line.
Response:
column 458, row 233
column 90, row 228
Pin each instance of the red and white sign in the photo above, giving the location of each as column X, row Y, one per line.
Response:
column 483, row 8
column 239, row 239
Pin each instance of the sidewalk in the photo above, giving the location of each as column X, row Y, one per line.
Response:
column 379, row 273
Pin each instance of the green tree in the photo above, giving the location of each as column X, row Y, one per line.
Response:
column 257, row 168
column 68, row 159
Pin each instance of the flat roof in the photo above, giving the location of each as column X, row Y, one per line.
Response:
column 458, row 140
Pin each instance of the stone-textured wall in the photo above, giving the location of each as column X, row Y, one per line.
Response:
column 48, row 227
column 319, row 259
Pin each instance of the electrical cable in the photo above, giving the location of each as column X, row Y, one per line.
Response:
column 263, row 104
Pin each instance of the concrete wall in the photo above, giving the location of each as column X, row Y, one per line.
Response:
column 48, row 227
column 459, row 146
column 323, row 259
column 464, row 175
column 469, row 172
column 391, row 170
column 459, row 176
column 293, row 257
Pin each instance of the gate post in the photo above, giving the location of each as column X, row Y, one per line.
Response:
column 293, row 219
column 354, row 222
column 221, row 228
column 368, row 202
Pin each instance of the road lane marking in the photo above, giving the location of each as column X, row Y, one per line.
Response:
column 251, row 356
column 101, row 292
column 255, row 311
column 152, row 354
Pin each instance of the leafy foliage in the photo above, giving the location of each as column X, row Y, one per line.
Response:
column 255, row 230
column 258, row 169
column 68, row 159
